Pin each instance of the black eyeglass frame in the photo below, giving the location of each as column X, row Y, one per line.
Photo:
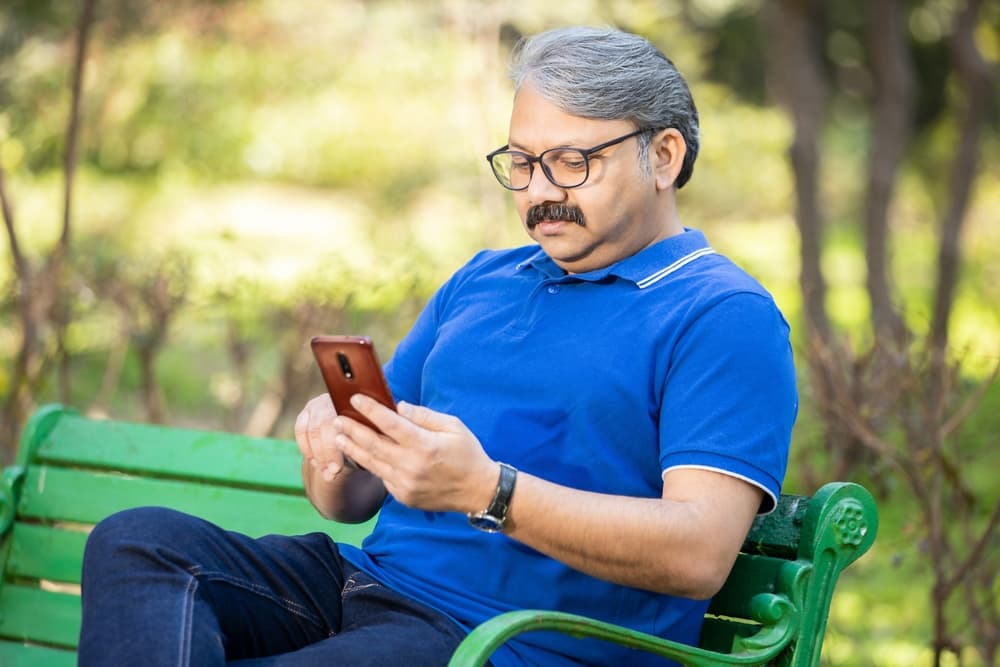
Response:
column 532, row 159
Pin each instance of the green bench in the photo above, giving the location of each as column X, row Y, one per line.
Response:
column 72, row 471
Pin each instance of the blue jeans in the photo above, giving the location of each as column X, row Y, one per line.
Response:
column 164, row 588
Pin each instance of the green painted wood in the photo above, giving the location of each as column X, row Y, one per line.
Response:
column 36, row 428
column 45, row 552
column 717, row 634
column 172, row 452
column 777, row 533
column 84, row 496
column 750, row 575
column 16, row 654
column 39, row 616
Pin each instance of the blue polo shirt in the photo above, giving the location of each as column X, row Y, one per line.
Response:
column 600, row 381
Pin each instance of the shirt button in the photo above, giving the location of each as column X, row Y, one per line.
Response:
column 553, row 289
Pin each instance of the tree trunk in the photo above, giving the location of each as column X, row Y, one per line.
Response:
column 796, row 80
column 152, row 398
column 977, row 83
column 891, row 129
column 18, row 399
column 58, row 264
column 42, row 298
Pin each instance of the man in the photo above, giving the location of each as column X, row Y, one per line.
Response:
column 589, row 423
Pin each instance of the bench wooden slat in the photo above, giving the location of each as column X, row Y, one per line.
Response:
column 46, row 552
column 717, row 633
column 777, row 533
column 731, row 607
column 170, row 452
column 16, row 654
column 40, row 616
column 750, row 575
column 82, row 496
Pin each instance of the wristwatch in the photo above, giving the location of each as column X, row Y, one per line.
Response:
column 491, row 519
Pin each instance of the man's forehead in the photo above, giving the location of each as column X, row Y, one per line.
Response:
column 537, row 124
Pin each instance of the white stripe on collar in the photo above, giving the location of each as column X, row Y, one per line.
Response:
column 666, row 271
column 528, row 262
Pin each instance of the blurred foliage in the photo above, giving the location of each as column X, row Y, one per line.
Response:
column 283, row 169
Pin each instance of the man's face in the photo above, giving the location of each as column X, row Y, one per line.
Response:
column 621, row 213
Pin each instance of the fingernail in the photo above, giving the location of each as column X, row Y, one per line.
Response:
column 357, row 400
column 404, row 408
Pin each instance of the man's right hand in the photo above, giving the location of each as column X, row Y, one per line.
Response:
column 337, row 489
column 315, row 434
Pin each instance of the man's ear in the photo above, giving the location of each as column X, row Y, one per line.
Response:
column 666, row 152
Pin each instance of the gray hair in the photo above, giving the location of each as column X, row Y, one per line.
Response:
column 608, row 74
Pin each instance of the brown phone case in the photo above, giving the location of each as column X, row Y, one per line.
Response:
column 350, row 366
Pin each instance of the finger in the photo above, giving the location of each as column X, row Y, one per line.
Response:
column 388, row 421
column 330, row 458
column 330, row 471
column 427, row 418
column 302, row 434
column 308, row 424
column 366, row 447
column 365, row 455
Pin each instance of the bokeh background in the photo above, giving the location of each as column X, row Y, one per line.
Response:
column 192, row 189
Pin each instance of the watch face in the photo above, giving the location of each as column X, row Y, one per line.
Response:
column 486, row 522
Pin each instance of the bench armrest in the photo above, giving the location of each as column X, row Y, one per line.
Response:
column 839, row 525
column 779, row 618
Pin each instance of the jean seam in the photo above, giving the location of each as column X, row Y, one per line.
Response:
column 289, row 605
column 352, row 586
column 187, row 623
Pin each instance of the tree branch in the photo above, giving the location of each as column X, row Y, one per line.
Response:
column 20, row 264
column 977, row 552
column 968, row 406
column 73, row 128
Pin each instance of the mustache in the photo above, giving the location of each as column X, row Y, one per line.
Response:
column 541, row 212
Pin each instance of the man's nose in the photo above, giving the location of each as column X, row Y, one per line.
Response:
column 541, row 189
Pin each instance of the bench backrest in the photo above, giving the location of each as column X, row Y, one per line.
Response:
column 72, row 471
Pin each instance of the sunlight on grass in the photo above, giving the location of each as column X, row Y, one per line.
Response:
column 271, row 232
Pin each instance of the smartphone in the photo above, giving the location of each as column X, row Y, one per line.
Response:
column 350, row 366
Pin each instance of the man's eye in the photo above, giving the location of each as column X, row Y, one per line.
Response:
column 519, row 164
column 573, row 163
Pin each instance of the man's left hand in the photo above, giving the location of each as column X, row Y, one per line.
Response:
column 426, row 459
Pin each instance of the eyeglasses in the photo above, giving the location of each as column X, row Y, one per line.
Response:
column 564, row 167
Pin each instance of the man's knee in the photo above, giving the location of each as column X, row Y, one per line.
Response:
column 120, row 534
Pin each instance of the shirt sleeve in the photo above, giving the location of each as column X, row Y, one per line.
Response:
column 729, row 398
column 404, row 371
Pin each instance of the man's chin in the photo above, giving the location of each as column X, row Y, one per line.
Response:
column 569, row 255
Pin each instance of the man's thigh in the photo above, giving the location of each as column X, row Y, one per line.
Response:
column 274, row 594
column 380, row 628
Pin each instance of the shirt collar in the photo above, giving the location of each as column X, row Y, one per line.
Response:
column 645, row 268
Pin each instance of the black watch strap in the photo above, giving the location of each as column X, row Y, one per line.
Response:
column 493, row 517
